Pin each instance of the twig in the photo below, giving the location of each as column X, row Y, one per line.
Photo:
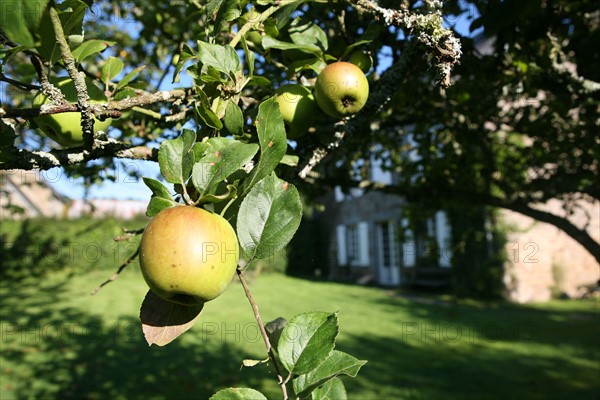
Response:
column 128, row 234
column 116, row 274
column 112, row 109
column 261, row 326
column 83, row 98
column 52, row 92
column 29, row 113
column 18, row 84
column 444, row 49
column 14, row 158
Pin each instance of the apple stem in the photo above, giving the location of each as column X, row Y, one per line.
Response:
column 229, row 203
column 261, row 326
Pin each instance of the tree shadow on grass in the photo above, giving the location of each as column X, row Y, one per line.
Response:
column 502, row 322
column 492, row 351
column 30, row 252
column 50, row 349
column 406, row 368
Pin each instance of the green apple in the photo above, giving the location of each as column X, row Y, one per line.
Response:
column 65, row 128
column 297, row 106
column 362, row 60
column 341, row 90
column 188, row 255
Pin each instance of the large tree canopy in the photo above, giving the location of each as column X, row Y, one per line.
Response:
column 516, row 124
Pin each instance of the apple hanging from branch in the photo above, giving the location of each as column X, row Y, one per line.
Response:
column 297, row 106
column 65, row 128
column 341, row 89
column 188, row 255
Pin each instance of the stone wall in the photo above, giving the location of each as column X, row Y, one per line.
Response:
column 542, row 260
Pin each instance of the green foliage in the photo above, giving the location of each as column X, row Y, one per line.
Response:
column 268, row 218
column 308, row 251
column 478, row 254
column 20, row 22
column 306, row 340
column 238, row 394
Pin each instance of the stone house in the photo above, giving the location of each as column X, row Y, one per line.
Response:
column 372, row 242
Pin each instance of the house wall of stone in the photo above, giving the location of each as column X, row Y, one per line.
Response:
column 372, row 207
column 542, row 259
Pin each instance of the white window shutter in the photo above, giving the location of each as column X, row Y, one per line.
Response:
column 443, row 238
column 409, row 249
column 363, row 243
column 342, row 255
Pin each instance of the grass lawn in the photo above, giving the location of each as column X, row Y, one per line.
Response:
column 60, row 342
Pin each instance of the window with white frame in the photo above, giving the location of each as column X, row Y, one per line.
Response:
column 353, row 245
column 389, row 244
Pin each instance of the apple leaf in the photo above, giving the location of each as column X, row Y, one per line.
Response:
column 249, row 56
column 270, row 43
column 90, row 47
column 238, row 394
column 249, row 362
column 186, row 54
column 228, row 11
column 272, row 140
column 338, row 363
column 158, row 189
column 20, row 18
column 111, row 69
column 157, row 204
column 222, row 58
column 274, row 329
column 217, row 165
column 206, row 114
column 331, row 390
column 163, row 321
column 176, row 158
column 234, row 118
column 290, row 160
column 129, row 77
column 312, row 63
column 307, row 339
column 161, row 197
column 268, row 218
column 270, row 26
column 308, row 34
